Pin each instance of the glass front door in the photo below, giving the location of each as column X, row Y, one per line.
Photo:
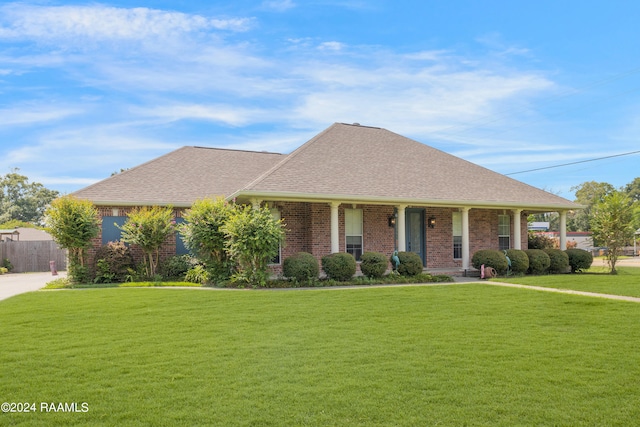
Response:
column 415, row 232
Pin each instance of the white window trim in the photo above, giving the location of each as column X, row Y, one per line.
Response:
column 361, row 235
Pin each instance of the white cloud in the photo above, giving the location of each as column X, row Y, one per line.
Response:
column 21, row 115
column 226, row 114
column 97, row 22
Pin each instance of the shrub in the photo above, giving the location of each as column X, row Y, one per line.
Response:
column 558, row 260
column 7, row 264
column 113, row 262
column 176, row 267
column 519, row 260
column 539, row 241
column 539, row 261
column 410, row 264
column 339, row 266
column 373, row 264
column 4, row 270
column 301, row 267
column 579, row 259
column 490, row 258
column 197, row 274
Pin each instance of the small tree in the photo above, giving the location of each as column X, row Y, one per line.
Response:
column 611, row 223
column 253, row 238
column 202, row 233
column 73, row 223
column 148, row 228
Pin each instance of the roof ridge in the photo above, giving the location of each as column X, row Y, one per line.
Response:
column 288, row 158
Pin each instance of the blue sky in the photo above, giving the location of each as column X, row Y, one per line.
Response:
column 89, row 88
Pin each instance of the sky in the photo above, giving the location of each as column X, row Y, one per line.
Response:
column 91, row 88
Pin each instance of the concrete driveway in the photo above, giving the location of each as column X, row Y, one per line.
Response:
column 17, row 283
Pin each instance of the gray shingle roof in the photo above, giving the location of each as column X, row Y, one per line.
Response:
column 350, row 163
column 181, row 177
column 359, row 163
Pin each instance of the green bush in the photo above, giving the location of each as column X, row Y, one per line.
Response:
column 519, row 260
column 176, row 267
column 539, row 241
column 197, row 274
column 4, row 270
column 112, row 263
column 410, row 264
column 7, row 264
column 301, row 267
column 373, row 264
column 539, row 261
column 490, row 258
column 579, row 259
column 559, row 260
column 339, row 266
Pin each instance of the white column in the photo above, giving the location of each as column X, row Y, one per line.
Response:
column 335, row 228
column 402, row 228
column 517, row 231
column 466, row 257
column 255, row 203
column 563, row 230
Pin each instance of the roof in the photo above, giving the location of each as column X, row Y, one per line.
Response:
column 369, row 164
column 347, row 163
column 181, row 177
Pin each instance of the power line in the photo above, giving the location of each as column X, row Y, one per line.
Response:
column 574, row 163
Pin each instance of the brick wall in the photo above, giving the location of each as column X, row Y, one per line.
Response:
column 308, row 228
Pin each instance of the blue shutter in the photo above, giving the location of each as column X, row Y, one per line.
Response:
column 111, row 233
column 181, row 249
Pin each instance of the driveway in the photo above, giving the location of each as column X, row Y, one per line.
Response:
column 17, row 283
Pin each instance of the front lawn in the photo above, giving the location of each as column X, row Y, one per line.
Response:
column 626, row 282
column 402, row 356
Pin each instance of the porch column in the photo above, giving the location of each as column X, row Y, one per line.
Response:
column 517, row 231
column 402, row 229
column 465, row 238
column 335, row 228
column 255, row 203
column 563, row 230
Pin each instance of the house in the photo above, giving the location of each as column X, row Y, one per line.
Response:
column 351, row 188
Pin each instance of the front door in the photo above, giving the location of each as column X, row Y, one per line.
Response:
column 415, row 232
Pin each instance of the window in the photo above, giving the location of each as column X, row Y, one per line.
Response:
column 181, row 249
column 504, row 232
column 276, row 215
column 457, row 235
column 353, row 232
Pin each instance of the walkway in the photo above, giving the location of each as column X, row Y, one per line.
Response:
column 17, row 283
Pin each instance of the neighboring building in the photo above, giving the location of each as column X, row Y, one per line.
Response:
column 351, row 188
column 538, row 226
column 575, row 239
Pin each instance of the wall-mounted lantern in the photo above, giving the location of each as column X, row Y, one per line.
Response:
column 431, row 222
column 392, row 221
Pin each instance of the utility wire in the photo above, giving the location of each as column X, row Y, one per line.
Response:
column 574, row 163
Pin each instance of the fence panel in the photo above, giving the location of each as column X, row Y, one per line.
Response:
column 33, row 256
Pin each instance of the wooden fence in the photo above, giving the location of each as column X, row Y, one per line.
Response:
column 33, row 256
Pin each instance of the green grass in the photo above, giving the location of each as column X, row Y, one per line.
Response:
column 402, row 356
column 626, row 282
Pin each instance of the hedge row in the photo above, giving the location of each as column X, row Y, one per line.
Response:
column 533, row 261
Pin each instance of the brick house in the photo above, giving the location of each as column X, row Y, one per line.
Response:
column 350, row 188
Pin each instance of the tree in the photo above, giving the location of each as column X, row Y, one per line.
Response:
column 611, row 223
column 73, row 223
column 202, row 233
column 21, row 200
column 253, row 238
column 588, row 194
column 148, row 228
column 633, row 189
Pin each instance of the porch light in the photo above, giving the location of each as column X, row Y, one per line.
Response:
column 392, row 221
column 431, row 222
